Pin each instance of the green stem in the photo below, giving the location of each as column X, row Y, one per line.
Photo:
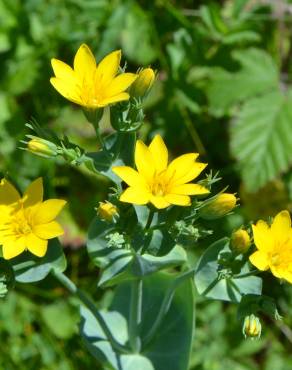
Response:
column 251, row 273
column 135, row 314
column 88, row 303
column 165, row 304
column 100, row 141
column 149, row 220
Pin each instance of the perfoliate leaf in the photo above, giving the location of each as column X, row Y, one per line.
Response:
column 213, row 282
column 261, row 138
column 120, row 262
column 169, row 349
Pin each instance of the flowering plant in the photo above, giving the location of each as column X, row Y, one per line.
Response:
column 141, row 234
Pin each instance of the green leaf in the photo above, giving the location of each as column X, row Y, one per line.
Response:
column 261, row 138
column 94, row 338
column 148, row 264
column 171, row 346
column 118, row 152
column 29, row 268
column 258, row 74
column 211, row 283
column 121, row 264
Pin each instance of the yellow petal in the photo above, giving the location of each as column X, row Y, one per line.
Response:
column 179, row 200
column 120, row 84
column 189, row 189
column 5, row 211
column 159, row 153
column 34, row 193
column 144, row 161
column 259, row 260
column 13, row 248
column 184, row 169
column 262, row 236
column 48, row 231
column 129, row 175
column 135, row 195
column 8, row 193
column 113, row 99
column 62, row 70
column 84, row 64
column 48, row 211
column 287, row 275
column 36, row 245
column 67, row 89
column 108, row 68
column 277, row 271
column 281, row 226
column 159, row 202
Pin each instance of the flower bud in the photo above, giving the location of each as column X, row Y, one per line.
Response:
column 107, row 211
column 42, row 147
column 219, row 207
column 252, row 327
column 240, row 241
column 143, row 83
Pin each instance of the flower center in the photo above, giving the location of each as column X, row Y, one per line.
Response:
column 158, row 189
column 159, row 185
column 21, row 225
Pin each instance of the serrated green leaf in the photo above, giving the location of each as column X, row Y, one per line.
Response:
column 257, row 75
column 261, row 138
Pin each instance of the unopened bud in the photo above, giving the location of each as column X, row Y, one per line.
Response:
column 240, row 241
column 219, row 207
column 143, row 83
column 42, row 147
column 252, row 327
column 107, row 211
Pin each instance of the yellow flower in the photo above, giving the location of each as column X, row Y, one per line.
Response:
column 240, row 241
column 107, row 211
column 90, row 85
column 143, row 83
column 27, row 222
column 158, row 182
column 219, row 207
column 274, row 244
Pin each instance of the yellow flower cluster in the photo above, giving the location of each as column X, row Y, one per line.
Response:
column 27, row 222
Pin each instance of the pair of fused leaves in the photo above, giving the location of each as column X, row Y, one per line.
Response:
column 261, row 106
column 215, row 281
column 170, row 348
column 117, row 254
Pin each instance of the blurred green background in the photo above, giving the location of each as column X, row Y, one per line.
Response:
column 223, row 89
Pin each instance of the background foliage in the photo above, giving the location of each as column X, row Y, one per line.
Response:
column 223, row 90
